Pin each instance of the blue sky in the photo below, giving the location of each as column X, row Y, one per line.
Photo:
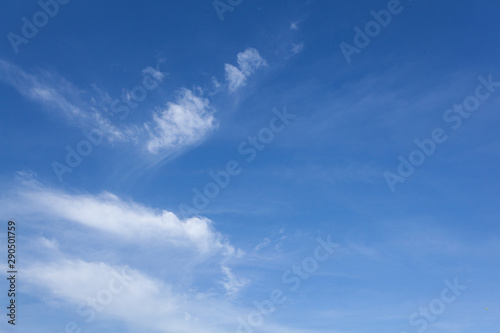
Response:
column 228, row 166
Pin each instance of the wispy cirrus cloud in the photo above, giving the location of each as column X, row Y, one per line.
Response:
column 55, row 93
column 108, row 213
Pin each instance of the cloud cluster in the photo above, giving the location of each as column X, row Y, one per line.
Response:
column 114, row 291
column 111, row 289
column 181, row 124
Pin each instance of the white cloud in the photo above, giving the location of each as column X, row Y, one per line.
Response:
column 155, row 73
column 234, row 77
column 181, row 124
column 129, row 220
column 98, row 292
column 152, row 300
column 124, row 294
column 248, row 62
column 231, row 283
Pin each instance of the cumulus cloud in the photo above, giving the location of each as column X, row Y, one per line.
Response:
column 181, row 124
column 248, row 62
